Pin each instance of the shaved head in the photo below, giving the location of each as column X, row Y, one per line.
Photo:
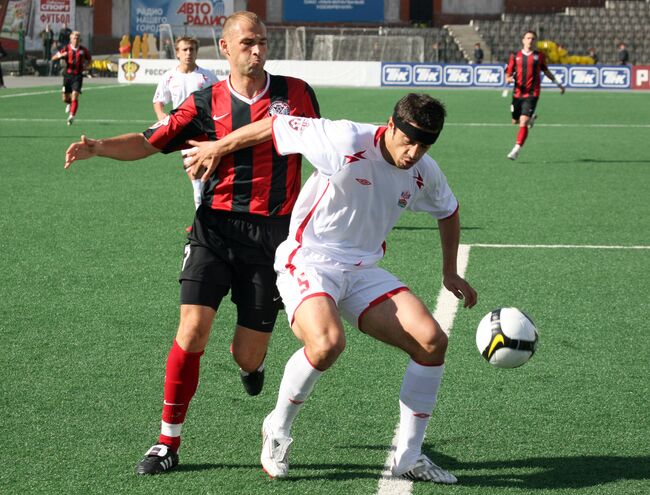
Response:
column 242, row 15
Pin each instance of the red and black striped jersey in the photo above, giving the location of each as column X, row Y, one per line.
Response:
column 252, row 180
column 526, row 71
column 75, row 58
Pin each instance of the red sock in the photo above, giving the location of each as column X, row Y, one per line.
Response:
column 181, row 382
column 73, row 107
column 522, row 135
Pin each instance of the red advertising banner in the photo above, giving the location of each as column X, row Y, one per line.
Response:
column 641, row 77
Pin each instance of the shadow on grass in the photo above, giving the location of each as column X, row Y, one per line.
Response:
column 533, row 473
column 608, row 162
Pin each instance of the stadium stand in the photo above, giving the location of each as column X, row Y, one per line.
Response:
column 577, row 29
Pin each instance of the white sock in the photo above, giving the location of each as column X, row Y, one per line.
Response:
column 297, row 383
column 417, row 399
column 198, row 192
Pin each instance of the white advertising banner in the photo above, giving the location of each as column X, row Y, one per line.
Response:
column 315, row 72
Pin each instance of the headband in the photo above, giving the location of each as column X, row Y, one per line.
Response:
column 415, row 133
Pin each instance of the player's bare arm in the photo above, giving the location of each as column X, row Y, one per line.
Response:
column 208, row 153
column 449, row 240
column 550, row 75
column 159, row 109
column 127, row 147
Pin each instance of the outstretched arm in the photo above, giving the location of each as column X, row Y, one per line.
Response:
column 550, row 75
column 208, row 153
column 126, row 147
column 449, row 239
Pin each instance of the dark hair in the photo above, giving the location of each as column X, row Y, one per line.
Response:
column 422, row 110
column 531, row 32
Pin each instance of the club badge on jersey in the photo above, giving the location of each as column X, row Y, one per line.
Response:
column 279, row 107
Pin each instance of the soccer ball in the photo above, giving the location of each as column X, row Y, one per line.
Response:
column 506, row 337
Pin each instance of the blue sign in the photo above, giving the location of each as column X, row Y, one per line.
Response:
column 561, row 74
column 615, row 77
column 396, row 75
column 493, row 76
column 192, row 17
column 333, row 10
column 427, row 75
column 583, row 77
column 489, row 75
column 458, row 75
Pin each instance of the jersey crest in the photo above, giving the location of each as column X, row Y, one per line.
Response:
column 279, row 107
column 404, row 199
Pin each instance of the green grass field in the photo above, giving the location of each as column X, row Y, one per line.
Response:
column 89, row 308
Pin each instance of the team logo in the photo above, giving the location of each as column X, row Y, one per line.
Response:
column 404, row 199
column 279, row 107
column 396, row 74
column 299, row 124
column 130, row 68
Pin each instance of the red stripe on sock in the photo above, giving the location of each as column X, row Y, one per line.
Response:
column 181, row 382
column 73, row 107
column 522, row 135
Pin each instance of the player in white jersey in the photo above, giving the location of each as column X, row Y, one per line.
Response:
column 366, row 177
column 179, row 83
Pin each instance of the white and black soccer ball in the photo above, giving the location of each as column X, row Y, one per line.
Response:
column 507, row 337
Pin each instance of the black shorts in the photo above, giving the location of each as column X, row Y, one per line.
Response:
column 523, row 106
column 72, row 82
column 233, row 251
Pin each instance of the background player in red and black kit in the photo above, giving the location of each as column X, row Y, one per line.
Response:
column 76, row 58
column 523, row 70
column 243, row 217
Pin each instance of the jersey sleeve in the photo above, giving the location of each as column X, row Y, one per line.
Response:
column 325, row 143
column 436, row 197
column 182, row 123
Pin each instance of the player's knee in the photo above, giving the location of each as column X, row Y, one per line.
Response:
column 324, row 352
column 431, row 348
column 192, row 334
column 249, row 358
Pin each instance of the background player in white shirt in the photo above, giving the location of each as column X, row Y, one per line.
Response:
column 179, row 83
column 366, row 177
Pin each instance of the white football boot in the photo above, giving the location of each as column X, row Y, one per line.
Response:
column 275, row 451
column 514, row 153
column 425, row 470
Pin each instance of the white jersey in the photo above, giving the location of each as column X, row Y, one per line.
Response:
column 347, row 208
column 175, row 86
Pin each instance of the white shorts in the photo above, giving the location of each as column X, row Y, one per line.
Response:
column 354, row 290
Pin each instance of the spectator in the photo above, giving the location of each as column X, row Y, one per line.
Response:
column 47, row 38
column 593, row 54
column 478, row 54
column 623, row 54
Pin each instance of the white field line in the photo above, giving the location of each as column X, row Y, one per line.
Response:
column 445, row 312
column 556, row 246
column 77, row 121
column 58, row 91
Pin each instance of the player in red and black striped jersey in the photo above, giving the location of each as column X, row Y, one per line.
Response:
column 524, row 68
column 76, row 57
column 243, row 217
